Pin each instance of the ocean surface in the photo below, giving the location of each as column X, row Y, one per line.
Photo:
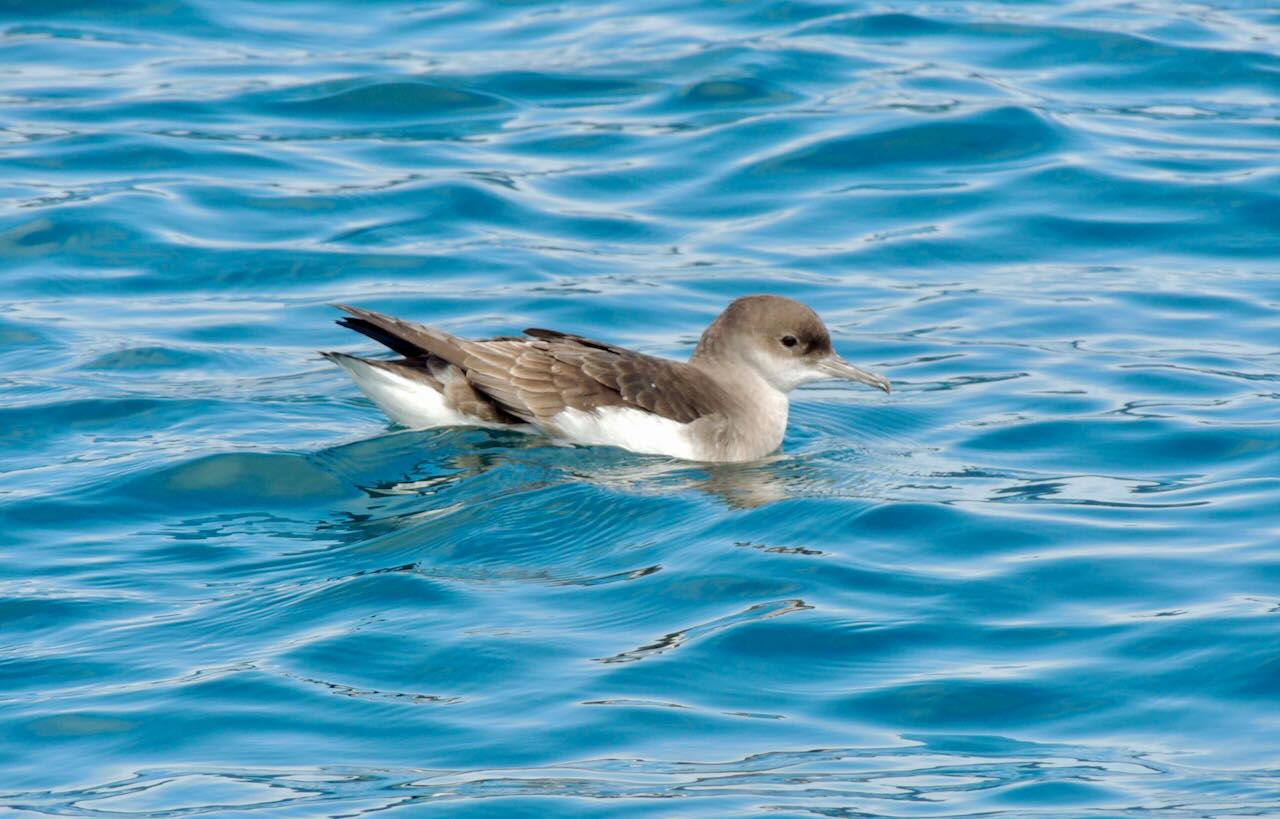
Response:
column 1040, row 579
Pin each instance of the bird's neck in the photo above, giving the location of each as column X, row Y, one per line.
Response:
column 756, row 415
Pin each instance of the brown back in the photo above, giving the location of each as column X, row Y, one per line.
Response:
column 535, row 378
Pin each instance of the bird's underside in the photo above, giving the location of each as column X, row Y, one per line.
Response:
column 550, row 380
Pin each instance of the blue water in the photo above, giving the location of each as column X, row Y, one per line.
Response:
column 1040, row 579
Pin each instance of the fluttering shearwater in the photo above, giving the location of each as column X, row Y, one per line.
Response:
column 728, row 403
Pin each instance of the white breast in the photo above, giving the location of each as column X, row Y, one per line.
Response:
column 632, row 429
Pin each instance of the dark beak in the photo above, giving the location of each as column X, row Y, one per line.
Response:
column 836, row 367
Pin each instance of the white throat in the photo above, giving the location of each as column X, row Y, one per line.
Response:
column 757, row 420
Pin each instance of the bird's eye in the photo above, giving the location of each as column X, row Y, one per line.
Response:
column 788, row 341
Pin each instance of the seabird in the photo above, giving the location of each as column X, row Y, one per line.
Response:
column 728, row 403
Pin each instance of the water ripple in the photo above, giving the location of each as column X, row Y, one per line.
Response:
column 1038, row 580
column 982, row 773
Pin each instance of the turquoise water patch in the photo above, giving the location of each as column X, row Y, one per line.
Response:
column 1039, row 579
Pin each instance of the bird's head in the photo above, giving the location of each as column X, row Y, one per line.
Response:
column 782, row 340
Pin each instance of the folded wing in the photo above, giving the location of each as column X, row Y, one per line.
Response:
column 537, row 377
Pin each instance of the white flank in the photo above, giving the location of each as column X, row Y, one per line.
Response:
column 632, row 429
column 415, row 404
column 404, row 400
